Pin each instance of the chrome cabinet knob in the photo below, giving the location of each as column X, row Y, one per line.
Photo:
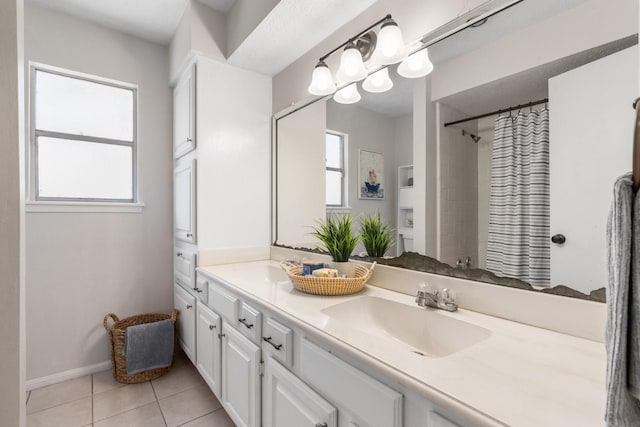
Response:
column 321, row 424
column 189, row 234
column 559, row 239
column 179, row 254
column 189, row 306
column 212, row 327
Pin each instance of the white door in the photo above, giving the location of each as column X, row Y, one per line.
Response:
column 184, row 193
column 288, row 402
column 208, row 348
column 585, row 137
column 240, row 378
column 184, row 114
column 186, row 304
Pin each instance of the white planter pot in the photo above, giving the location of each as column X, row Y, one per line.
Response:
column 347, row 268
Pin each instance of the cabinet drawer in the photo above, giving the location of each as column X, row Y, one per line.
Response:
column 223, row 302
column 250, row 322
column 278, row 341
column 184, row 266
column 365, row 398
column 201, row 290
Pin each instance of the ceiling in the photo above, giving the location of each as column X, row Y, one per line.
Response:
column 290, row 29
column 153, row 20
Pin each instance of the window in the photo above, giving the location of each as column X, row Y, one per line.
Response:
column 83, row 133
column 335, row 170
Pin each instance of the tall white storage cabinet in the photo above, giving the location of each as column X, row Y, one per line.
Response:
column 222, row 170
column 404, row 239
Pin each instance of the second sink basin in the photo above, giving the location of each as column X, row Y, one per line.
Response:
column 424, row 331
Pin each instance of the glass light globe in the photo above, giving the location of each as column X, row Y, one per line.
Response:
column 347, row 95
column 416, row 65
column 321, row 80
column 378, row 82
column 351, row 66
column 390, row 47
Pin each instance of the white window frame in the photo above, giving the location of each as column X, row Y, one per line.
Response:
column 344, row 206
column 36, row 203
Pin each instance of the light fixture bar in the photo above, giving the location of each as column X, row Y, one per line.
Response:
column 354, row 38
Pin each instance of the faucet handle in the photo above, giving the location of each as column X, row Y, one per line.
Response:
column 448, row 296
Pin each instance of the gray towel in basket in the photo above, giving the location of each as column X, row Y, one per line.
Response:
column 149, row 346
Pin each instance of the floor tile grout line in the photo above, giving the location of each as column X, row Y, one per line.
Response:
column 158, row 403
column 59, row 404
column 201, row 416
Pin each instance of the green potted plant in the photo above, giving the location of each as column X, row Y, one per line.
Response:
column 376, row 237
column 337, row 237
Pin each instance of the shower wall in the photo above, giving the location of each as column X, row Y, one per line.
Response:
column 485, row 146
column 458, row 187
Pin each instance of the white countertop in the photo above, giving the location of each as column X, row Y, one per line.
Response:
column 519, row 376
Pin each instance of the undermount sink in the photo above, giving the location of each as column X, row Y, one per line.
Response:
column 425, row 331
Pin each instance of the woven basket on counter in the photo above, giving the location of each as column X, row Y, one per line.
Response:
column 117, row 333
column 328, row 285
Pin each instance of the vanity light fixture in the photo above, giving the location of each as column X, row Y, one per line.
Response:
column 415, row 65
column 378, row 82
column 348, row 94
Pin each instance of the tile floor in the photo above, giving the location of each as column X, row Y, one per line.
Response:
column 179, row 398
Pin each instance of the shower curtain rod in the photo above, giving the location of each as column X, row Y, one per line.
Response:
column 504, row 110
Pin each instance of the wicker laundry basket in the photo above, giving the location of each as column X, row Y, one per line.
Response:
column 117, row 333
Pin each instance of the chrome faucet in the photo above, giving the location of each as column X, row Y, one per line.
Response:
column 443, row 299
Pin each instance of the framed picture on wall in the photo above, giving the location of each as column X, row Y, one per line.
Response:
column 370, row 175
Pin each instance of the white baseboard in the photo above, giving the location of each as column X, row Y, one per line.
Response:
column 67, row 375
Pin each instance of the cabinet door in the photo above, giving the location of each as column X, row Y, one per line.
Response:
column 208, row 348
column 186, row 304
column 184, row 188
column 288, row 402
column 184, row 266
column 184, row 114
column 240, row 378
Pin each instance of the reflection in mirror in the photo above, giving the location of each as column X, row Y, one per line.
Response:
column 488, row 192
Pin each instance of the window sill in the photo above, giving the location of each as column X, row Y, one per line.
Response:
column 83, row 207
column 340, row 210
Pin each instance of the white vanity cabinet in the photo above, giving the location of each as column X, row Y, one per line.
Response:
column 184, row 117
column 289, row 402
column 241, row 389
column 186, row 305
column 209, row 349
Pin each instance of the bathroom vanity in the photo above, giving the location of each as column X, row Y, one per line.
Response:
column 275, row 356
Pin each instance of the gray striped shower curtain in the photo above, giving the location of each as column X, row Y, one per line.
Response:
column 518, row 241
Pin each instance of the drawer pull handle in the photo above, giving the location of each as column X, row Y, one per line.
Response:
column 268, row 339
column 244, row 322
column 189, row 140
column 197, row 289
column 179, row 254
column 212, row 327
column 221, row 335
column 189, row 306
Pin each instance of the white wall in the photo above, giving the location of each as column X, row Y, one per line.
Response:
column 593, row 23
column 12, row 358
column 234, row 157
column 202, row 30
column 586, row 136
column 301, row 175
column 370, row 131
column 81, row 266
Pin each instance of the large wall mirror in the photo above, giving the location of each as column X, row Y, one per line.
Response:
column 522, row 194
